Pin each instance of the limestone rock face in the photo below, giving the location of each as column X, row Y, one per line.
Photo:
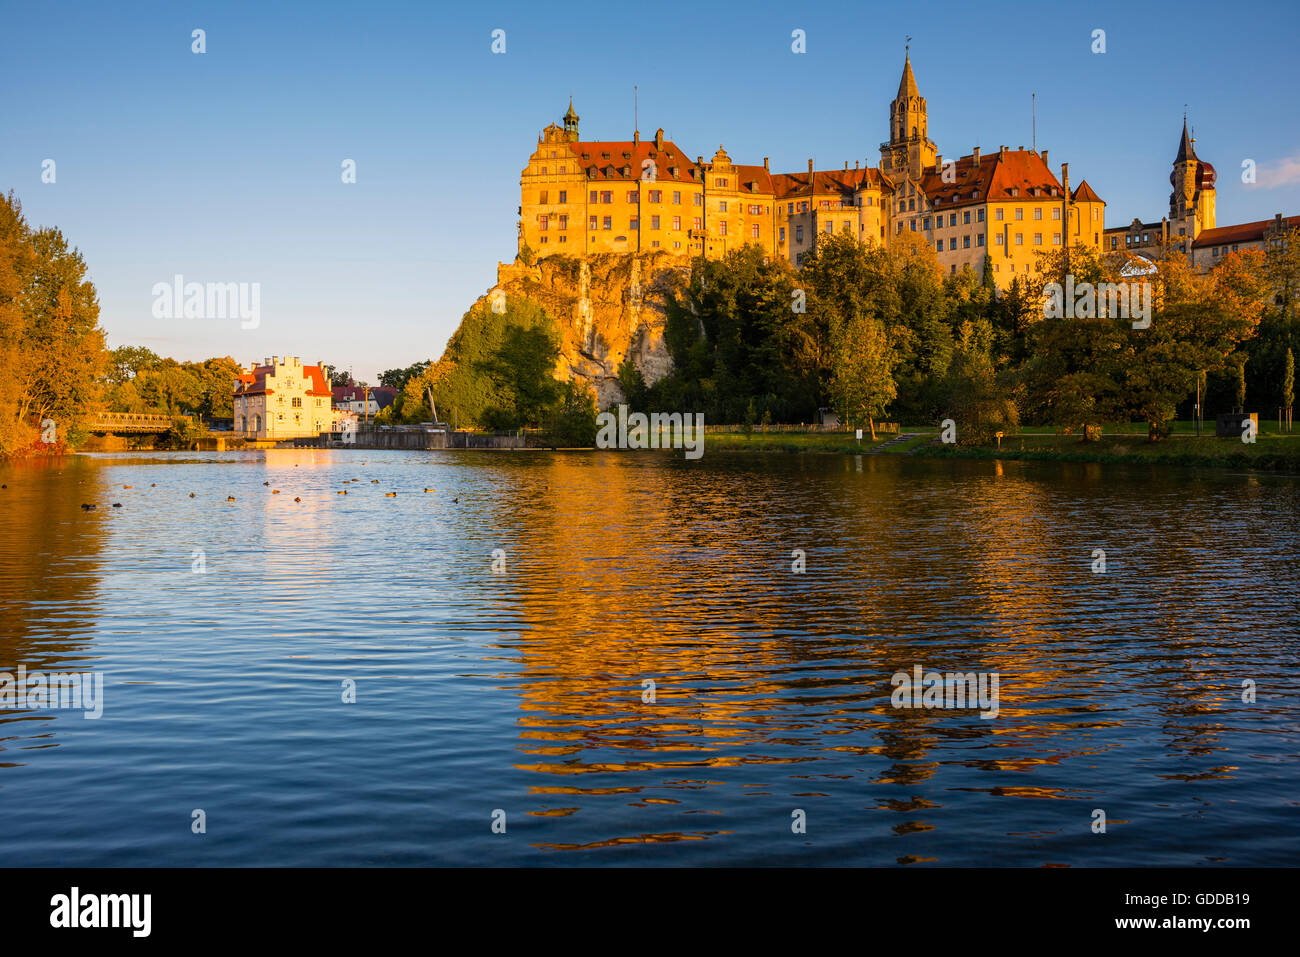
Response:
column 608, row 307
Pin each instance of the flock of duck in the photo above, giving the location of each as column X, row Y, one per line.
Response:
column 90, row 507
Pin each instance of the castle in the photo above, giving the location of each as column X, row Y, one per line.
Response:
column 581, row 197
column 1191, row 227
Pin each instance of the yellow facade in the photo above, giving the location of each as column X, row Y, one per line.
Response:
column 584, row 197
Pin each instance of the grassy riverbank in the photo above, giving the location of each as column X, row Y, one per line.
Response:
column 1127, row 444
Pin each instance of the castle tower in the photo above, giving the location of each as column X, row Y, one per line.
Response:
column 909, row 150
column 571, row 123
column 1191, row 203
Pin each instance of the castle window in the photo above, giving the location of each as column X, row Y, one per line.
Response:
column 782, row 232
column 979, row 239
column 1020, row 239
column 1038, row 239
column 543, row 170
column 998, row 214
column 911, row 204
column 655, row 244
column 722, row 206
column 1038, row 212
column 754, row 230
column 655, row 195
column 902, row 206
column 722, row 228
column 631, row 196
column 607, row 222
column 677, row 245
column 297, row 402
column 699, row 199
column 997, row 240
column 543, row 199
column 654, row 222
column 564, row 222
column 1020, row 212
column 633, row 223
column 699, row 223
column 542, row 221
column 564, row 169
column 1056, row 239
column 564, row 196
column 965, row 218
column 965, row 242
column 925, row 223
column 830, row 227
column 563, row 239
column 913, row 222
column 979, row 215
column 952, row 219
column 803, row 207
column 939, row 245
column 720, row 182
column 677, row 197
column 798, row 233
column 592, row 197
column 677, row 222
column 591, row 222
column 607, row 196
column 1096, row 213
column 1056, row 212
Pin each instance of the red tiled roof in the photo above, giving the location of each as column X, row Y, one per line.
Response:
column 828, row 181
column 995, row 177
column 1241, row 232
column 753, row 179
column 1083, row 193
column 605, row 160
column 254, row 382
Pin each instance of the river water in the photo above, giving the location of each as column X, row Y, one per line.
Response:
column 643, row 678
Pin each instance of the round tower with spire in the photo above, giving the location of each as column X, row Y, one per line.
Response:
column 1191, row 203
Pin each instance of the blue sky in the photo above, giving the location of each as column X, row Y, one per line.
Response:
column 225, row 166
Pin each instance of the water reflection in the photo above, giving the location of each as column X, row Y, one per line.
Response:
column 650, row 680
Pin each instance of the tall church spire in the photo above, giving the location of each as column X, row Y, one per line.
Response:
column 1185, row 149
column 909, row 150
column 907, row 85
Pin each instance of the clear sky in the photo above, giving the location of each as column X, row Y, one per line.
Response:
column 225, row 166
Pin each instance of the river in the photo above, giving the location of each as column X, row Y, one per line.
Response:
column 640, row 676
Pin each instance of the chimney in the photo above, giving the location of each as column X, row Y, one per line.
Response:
column 1003, row 151
column 659, row 138
column 846, row 166
column 810, row 169
column 855, row 164
column 938, row 162
column 976, row 155
column 1044, row 157
column 1065, row 178
column 765, row 166
column 636, row 137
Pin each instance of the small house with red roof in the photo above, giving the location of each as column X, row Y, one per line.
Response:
column 282, row 399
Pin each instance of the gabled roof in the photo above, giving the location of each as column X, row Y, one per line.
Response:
column 753, row 179
column 254, row 381
column 788, row 185
column 1083, row 193
column 1241, row 232
column 620, row 160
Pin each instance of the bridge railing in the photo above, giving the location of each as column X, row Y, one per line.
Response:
column 131, row 422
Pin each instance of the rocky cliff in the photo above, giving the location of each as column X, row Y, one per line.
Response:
column 607, row 307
